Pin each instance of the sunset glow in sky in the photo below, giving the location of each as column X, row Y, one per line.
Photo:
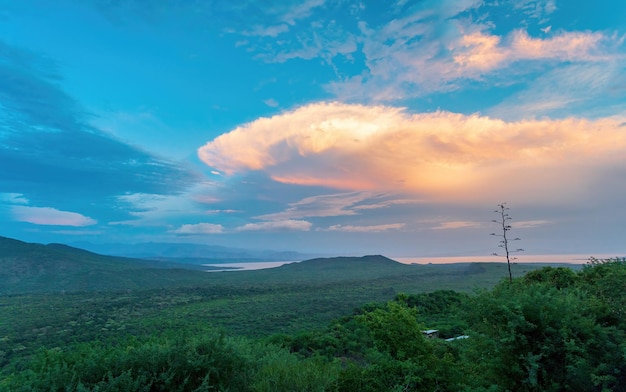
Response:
column 322, row 126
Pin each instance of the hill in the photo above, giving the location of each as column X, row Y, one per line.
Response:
column 54, row 295
column 343, row 262
column 190, row 253
column 37, row 268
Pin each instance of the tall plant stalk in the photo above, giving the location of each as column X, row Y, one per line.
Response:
column 503, row 222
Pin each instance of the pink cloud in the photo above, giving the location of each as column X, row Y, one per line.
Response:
column 440, row 154
column 485, row 52
column 367, row 229
column 456, row 225
column 50, row 216
column 530, row 224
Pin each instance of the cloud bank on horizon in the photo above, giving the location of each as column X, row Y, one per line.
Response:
column 323, row 125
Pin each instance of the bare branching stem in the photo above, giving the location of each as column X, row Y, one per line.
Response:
column 503, row 222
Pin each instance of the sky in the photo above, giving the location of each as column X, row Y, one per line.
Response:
column 326, row 126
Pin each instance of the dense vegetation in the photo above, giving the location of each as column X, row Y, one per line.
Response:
column 308, row 327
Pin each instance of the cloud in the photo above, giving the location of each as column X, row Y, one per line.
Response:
column 537, row 9
column 530, row 224
column 222, row 211
column 367, row 229
column 267, row 31
column 153, row 209
column 278, row 225
column 568, row 89
column 438, row 48
column 435, row 155
column 271, row 102
column 301, row 10
column 53, row 150
column 456, row 225
column 50, row 216
column 337, row 204
column 485, row 52
column 199, row 228
column 13, row 198
column 78, row 232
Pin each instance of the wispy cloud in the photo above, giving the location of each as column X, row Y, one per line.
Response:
column 79, row 232
column 300, row 10
column 21, row 211
column 153, row 209
column 267, row 31
column 457, row 225
column 442, row 154
column 199, row 229
column 530, row 224
column 367, row 229
column 223, row 211
column 537, row 9
column 13, row 198
column 50, row 216
column 569, row 88
column 271, row 102
column 277, row 225
column 338, row 204
column 439, row 49
column 48, row 141
column 480, row 52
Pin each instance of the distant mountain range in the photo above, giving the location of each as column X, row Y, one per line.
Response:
column 192, row 253
column 37, row 268
column 28, row 267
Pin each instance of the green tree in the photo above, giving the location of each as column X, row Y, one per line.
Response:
column 560, row 277
column 401, row 358
column 535, row 337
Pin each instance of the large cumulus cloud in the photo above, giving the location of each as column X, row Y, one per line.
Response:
column 439, row 154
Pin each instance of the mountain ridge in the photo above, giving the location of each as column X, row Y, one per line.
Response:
column 31, row 267
column 190, row 251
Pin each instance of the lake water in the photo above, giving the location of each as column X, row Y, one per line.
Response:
column 560, row 258
column 247, row 266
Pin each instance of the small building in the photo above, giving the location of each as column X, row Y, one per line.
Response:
column 431, row 333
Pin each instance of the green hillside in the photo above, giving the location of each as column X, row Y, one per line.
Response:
column 36, row 268
column 59, row 298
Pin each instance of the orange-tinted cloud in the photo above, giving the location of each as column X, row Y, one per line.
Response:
column 485, row 52
column 437, row 155
column 456, row 225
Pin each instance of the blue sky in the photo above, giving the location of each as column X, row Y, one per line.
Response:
column 327, row 126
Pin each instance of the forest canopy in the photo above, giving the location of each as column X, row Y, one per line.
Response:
column 552, row 329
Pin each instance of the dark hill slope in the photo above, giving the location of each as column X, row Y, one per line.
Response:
column 36, row 268
column 344, row 269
